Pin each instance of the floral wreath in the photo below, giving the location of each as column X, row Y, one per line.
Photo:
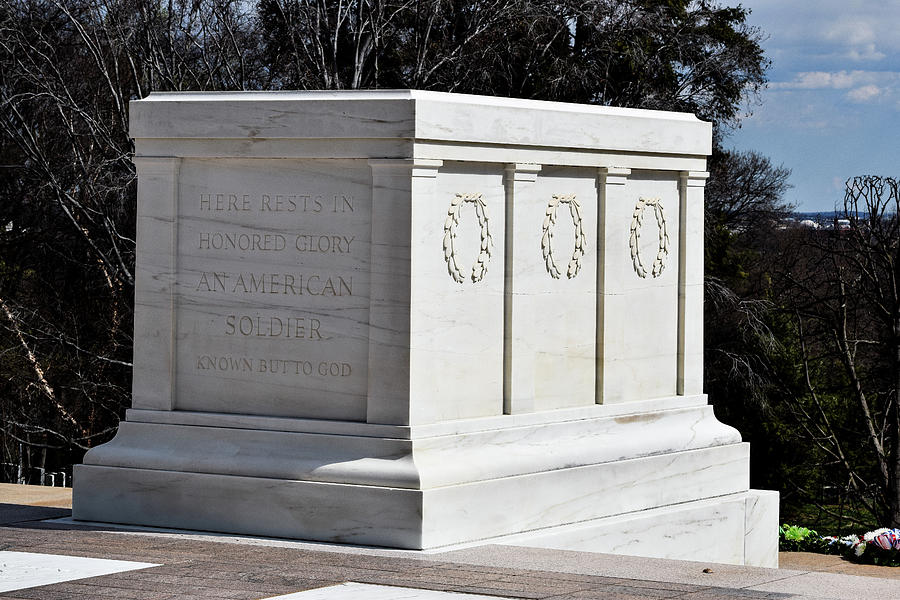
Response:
column 635, row 238
column 484, row 256
column 547, row 236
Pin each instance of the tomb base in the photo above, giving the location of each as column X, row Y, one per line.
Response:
column 639, row 478
column 733, row 529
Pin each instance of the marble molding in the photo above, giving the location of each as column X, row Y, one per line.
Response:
column 462, row 482
column 415, row 319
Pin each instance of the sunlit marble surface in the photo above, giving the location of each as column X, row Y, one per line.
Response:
column 20, row 570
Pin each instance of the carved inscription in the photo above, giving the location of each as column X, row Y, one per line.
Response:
column 275, row 242
column 311, row 264
column 275, row 366
column 294, row 284
column 271, row 293
column 289, row 203
column 301, row 328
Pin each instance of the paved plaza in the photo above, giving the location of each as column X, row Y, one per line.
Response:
column 199, row 565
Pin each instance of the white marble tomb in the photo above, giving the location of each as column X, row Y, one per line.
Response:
column 416, row 320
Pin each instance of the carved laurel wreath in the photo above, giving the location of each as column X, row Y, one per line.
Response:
column 547, row 235
column 484, row 256
column 635, row 239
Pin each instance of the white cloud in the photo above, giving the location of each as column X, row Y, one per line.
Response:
column 839, row 80
column 865, row 93
column 817, row 80
column 862, row 37
column 799, row 110
column 836, row 31
column 862, row 87
column 867, row 52
column 852, row 31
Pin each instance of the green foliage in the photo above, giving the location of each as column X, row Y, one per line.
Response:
column 794, row 538
column 795, row 533
column 878, row 547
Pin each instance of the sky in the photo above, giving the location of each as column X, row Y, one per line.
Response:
column 831, row 110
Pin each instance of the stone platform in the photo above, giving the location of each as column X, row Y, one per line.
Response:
column 192, row 566
column 662, row 479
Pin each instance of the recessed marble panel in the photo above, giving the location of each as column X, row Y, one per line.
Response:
column 641, row 295
column 456, row 313
column 554, row 282
column 272, row 287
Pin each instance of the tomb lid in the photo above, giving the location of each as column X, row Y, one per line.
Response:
column 421, row 116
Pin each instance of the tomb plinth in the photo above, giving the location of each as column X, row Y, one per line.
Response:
column 415, row 320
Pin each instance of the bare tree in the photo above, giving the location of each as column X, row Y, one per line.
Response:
column 686, row 55
column 744, row 206
column 746, row 193
column 842, row 289
column 68, row 69
column 352, row 44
